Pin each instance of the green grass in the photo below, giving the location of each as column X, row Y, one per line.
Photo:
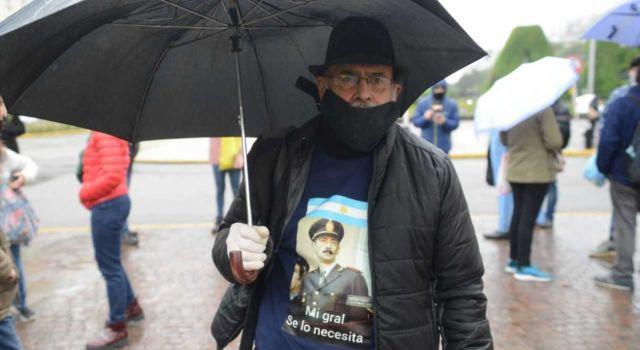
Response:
column 45, row 126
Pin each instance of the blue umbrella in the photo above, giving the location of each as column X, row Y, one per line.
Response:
column 622, row 26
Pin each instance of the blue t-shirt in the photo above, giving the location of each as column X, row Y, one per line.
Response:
column 319, row 292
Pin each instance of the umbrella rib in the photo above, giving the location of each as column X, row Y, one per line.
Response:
column 255, row 5
column 136, row 126
column 290, row 26
column 198, row 39
column 211, row 11
column 265, row 10
column 226, row 10
column 291, row 14
column 262, row 82
column 138, row 122
column 193, row 12
column 147, row 21
column 168, row 26
column 280, row 13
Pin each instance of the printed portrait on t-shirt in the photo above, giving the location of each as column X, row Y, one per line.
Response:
column 330, row 288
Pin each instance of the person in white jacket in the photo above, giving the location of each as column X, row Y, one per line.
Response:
column 15, row 171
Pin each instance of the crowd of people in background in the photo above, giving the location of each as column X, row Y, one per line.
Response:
column 523, row 165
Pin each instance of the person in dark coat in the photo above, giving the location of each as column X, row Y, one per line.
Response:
column 617, row 134
column 437, row 116
column 414, row 231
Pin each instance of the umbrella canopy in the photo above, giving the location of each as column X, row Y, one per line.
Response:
column 621, row 25
column 153, row 69
column 524, row 92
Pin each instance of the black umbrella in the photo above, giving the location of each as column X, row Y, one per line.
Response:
column 154, row 69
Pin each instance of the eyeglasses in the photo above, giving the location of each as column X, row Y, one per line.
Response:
column 349, row 82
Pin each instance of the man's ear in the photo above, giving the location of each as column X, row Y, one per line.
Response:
column 398, row 91
column 322, row 86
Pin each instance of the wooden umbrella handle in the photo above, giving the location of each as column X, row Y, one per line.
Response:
column 238, row 271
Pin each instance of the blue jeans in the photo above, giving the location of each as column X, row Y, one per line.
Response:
column 546, row 214
column 8, row 336
column 505, row 201
column 107, row 219
column 234, row 177
column 505, row 211
column 21, row 300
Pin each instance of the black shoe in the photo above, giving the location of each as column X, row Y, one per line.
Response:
column 26, row 314
column 608, row 281
column 130, row 238
column 496, row 235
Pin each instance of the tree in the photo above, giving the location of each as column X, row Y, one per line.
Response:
column 525, row 44
column 471, row 84
column 612, row 63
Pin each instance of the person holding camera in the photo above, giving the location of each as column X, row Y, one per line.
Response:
column 437, row 116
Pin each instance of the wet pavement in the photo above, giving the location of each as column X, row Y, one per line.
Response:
column 179, row 288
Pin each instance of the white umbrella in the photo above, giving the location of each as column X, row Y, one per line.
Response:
column 524, row 92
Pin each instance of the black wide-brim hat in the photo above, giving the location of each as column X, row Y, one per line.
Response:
column 357, row 40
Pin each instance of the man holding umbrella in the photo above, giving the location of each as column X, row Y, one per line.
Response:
column 417, row 238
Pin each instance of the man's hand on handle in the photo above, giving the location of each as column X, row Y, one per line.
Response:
column 246, row 246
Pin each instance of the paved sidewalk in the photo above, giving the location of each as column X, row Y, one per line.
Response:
column 180, row 289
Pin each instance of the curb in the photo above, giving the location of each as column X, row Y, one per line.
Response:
column 570, row 153
column 141, row 227
column 31, row 135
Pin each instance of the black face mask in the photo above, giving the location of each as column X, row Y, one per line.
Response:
column 438, row 95
column 358, row 130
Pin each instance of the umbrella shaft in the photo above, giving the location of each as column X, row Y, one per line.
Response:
column 245, row 170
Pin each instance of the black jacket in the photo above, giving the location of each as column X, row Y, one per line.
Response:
column 424, row 256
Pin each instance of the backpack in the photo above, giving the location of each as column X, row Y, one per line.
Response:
column 632, row 154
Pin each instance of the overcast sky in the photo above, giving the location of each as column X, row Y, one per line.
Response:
column 490, row 22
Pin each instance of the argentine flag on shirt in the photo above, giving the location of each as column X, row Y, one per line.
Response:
column 339, row 208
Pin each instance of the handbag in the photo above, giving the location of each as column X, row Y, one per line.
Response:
column 591, row 172
column 18, row 220
column 230, row 148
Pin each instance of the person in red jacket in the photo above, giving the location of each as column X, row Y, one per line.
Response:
column 104, row 192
